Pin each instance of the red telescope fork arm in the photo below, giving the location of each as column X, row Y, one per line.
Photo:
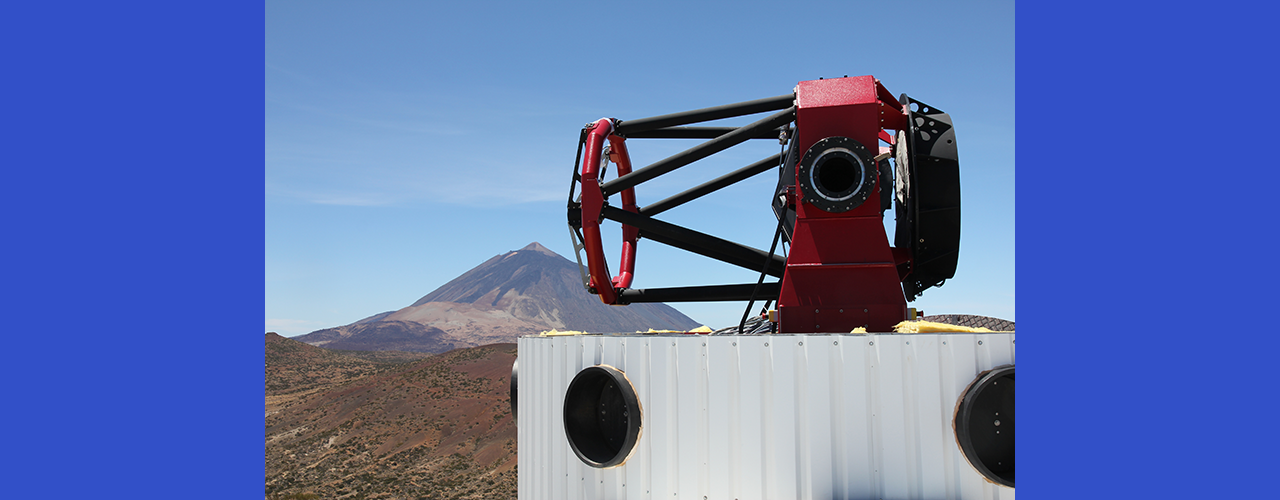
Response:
column 593, row 201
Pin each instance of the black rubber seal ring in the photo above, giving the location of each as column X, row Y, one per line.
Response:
column 602, row 416
column 984, row 427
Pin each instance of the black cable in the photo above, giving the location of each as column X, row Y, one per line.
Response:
column 782, row 166
column 763, row 272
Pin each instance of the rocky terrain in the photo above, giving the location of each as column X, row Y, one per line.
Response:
column 392, row 425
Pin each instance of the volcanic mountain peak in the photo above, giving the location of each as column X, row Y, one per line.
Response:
column 517, row 293
column 537, row 247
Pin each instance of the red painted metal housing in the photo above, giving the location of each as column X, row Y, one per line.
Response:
column 841, row 271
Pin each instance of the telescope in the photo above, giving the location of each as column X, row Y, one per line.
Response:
column 823, row 399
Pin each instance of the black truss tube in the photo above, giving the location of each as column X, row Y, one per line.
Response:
column 710, row 293
column 629, row 127
column 700, row 243
column 713, row 146
column 697, row 133
column 712, row 185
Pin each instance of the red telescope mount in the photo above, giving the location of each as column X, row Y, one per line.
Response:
column 835, row 181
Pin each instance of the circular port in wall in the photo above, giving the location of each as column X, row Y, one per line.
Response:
column 602, row 416
column 984, row 425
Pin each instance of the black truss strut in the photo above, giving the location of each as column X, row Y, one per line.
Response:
column 710, row 293
column 629, row 127
column 713, row 146
column 712, row 185
column 697, row 133
column 696, row 242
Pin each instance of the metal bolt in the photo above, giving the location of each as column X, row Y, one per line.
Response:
column 766, row 344
column 997, row 423
column 979, row 342
column 871, row 343
column 735, row 343
column 802, row 343
column 836, row 342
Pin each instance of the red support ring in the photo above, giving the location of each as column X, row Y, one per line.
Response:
column 593, row 201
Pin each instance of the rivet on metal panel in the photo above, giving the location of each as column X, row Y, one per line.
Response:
column 735, row 343
column 766, row 344
column 802, row 343
column 979, row 342
column 944, row 342
column 673, row 344
column 842, row 310
column 908, row 342
column 871, row 343
column 815, row 311
column 864, row 310
column 836, row 342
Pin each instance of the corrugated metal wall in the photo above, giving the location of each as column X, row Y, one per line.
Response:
column 764, row 417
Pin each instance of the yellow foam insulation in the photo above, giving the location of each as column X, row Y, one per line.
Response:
column 700, row 329
column 860, row 329
column 553, row 332
column 931, row 327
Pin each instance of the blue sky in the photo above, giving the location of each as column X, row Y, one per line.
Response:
column 407, row 142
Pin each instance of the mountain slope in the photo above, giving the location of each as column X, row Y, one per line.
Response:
column 440, row 427
column 522, row 292
column 536, row 284
column 384, row 335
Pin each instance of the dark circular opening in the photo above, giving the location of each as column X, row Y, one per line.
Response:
column 601, row 416
column 836, row 174
column 984, row 425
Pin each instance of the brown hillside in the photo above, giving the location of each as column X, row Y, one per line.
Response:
column 439, row 427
